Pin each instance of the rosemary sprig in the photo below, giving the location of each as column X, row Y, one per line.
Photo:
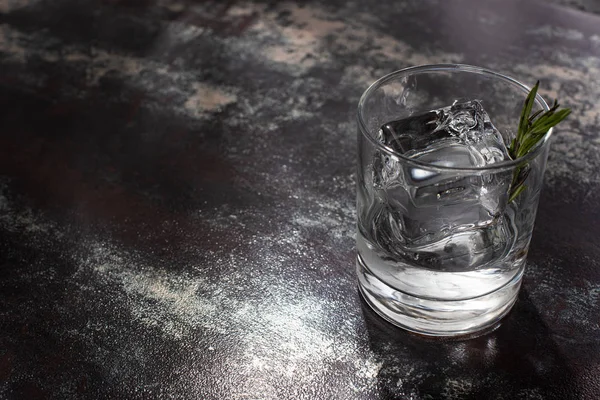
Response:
column 532, row 128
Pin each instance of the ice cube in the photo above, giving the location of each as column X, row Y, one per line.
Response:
column 423, row 204
column 465, row 125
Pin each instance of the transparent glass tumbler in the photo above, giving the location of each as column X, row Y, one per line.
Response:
column 441, row 245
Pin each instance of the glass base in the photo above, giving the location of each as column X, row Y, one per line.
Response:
column 436, row 317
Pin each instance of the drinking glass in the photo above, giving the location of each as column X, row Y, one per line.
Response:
column 441, row 245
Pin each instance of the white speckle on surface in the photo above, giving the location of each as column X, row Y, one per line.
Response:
column 22, row 219
column 10, row 47
column 457, row 389
column 241, row 9
column 171, row 5
column 565, row 305
column 555, row 31
column 301, row 45
column 283, row 338
column 491, row 19
column 207, row 99
column 7, row 6
column 530, row 394
column 156, row 80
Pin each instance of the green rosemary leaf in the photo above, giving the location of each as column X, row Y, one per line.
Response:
column 516, row 192
column 527, row 107
column 532, row 128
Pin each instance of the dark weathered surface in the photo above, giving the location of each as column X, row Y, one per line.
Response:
column 591, row 6
column 177, row 201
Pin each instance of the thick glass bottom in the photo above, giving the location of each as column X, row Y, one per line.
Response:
column 435, row 317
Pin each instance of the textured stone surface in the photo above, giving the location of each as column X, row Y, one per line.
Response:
column 177, row 201
column 591, row 6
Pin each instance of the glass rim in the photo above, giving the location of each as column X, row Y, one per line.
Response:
column 503, row 165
